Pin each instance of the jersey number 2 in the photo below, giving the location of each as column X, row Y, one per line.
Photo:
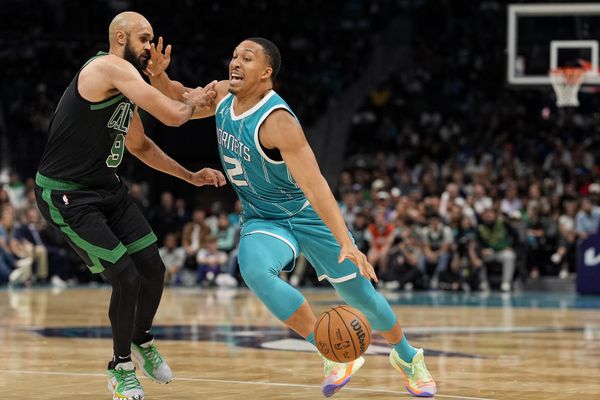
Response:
column 235, row 171
column 116, row 153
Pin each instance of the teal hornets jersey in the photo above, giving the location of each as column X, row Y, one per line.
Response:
column 265, row 187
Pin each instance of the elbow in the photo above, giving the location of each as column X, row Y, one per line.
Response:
column 138, row 149
column 176, row 121
column 314, row 186
column 309, row 194
column 177, row 116
column 135, row 151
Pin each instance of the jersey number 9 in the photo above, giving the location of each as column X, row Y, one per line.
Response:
column 116, row 152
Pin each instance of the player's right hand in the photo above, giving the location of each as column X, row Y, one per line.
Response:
column 350, row 252
column 201, row 97
column 208, row 176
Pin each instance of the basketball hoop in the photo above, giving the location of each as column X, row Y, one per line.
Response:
column 566, row 82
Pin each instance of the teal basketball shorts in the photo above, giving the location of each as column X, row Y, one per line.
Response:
column 303, row 233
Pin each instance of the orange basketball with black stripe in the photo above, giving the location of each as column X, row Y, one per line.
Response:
column 342, row 334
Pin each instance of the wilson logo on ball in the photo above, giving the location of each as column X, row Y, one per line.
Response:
column 360, row 334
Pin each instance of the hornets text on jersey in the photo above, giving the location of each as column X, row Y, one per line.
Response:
column 265, row 186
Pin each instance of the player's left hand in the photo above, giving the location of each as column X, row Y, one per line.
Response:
column 159, row 61
column 350, row 252
column 208, row 176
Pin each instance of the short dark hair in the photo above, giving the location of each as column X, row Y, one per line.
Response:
column 271, row 52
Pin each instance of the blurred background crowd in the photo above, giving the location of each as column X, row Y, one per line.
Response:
column 450, row 179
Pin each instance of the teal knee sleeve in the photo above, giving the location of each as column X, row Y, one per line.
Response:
column 360, row 294
column 261, row 258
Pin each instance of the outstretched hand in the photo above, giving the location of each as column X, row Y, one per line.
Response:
column 201, row 97
column 350, row 252
column 208, row 176
column 159, row 61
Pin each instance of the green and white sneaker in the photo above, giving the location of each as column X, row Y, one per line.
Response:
column 417, row 379
column 151, row 362
column 123, row 384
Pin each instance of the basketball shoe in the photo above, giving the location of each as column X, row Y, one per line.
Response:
column 151, row 362
column 123, row 384
column 337, row 375
column 417, row 379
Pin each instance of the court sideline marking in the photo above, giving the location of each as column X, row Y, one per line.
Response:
column 58, row 373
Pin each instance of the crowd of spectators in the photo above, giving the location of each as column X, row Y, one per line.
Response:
column 472, row 234
column 475, row 177
column 475, row 235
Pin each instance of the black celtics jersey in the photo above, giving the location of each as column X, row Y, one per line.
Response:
column 87, row 139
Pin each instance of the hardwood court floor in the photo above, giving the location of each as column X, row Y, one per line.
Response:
column 225, row 345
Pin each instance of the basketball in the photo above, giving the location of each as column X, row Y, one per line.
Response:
column 342, row 334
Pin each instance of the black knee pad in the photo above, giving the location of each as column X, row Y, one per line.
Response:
column 149, row 264
column 127, row 280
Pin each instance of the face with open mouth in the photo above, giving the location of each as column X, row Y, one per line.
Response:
column 248, row 67
column 235, row 79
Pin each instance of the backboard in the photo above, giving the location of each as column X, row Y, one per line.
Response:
column 542, row 37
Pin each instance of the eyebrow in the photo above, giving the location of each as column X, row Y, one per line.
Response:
column 246, row 49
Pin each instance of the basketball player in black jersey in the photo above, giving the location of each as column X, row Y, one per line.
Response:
column 78, row 191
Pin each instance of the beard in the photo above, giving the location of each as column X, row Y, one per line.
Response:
column 130, row 56
column 233, row 91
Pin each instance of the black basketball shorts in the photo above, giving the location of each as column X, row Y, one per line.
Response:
column 101, row 224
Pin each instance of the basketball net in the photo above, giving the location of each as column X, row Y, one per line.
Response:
column 566, row 83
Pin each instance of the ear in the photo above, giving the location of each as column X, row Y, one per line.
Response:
column 121, row 37
column 267, row 74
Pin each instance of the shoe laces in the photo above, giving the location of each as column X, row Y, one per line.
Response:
column 420, row 372
column 151, row 353
column 129, row 379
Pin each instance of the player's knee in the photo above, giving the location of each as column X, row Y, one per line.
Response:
column 254, row 273
column 256, row 264
column 360, row 294
column 361, row 297
column 128, row 279
column 257, row 271
column 357, row 290
column 149, row 264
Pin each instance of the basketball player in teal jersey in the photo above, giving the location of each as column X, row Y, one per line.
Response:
column 78, row 192
column 288, row 208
